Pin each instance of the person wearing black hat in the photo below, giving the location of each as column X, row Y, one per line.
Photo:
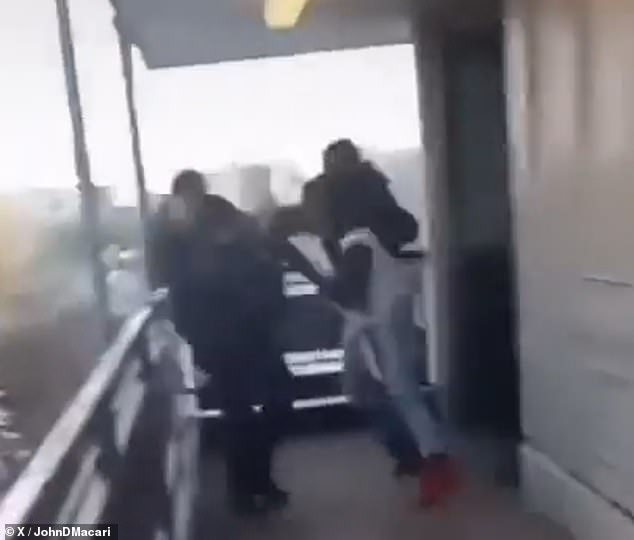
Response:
column 227, row 296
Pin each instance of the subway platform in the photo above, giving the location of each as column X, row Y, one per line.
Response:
column 342, row 489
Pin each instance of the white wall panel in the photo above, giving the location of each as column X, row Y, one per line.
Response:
column 574, row 202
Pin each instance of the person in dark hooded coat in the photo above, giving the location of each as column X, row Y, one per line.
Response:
column 227, row 295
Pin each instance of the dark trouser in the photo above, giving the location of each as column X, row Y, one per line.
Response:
column 249, row 436
column 250, row 439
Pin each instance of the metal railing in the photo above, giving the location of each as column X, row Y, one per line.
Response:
column 125, row 450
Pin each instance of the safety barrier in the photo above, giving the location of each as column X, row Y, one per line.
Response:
column 125, row 451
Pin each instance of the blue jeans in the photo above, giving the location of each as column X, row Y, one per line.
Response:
column 397, row 352
column 393, row 433
column 401, row 367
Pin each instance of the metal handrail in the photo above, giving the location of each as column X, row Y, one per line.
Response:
column 130, row 417
column 22, row 496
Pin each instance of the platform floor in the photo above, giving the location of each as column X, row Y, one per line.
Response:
column 343, row 489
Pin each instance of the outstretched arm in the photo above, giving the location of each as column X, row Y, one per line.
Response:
column 393, row 225
column 286, row 223
column 286, row 251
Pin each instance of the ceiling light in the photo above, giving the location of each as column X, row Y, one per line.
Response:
column 283, row 14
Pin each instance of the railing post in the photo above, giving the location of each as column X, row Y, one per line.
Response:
column 125, row 53
column 87, row 190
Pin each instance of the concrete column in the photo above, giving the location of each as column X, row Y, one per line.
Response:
column 570, row 84
column 430, row 71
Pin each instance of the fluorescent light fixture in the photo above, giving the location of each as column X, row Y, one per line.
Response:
column 283, row 14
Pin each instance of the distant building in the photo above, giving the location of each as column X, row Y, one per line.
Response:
column 50, row 205
column 255, row 190
column 224, row 183
column 55, row 206
column 247, row 186
column 286, row 183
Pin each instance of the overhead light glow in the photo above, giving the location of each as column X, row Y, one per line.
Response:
column 283, row 14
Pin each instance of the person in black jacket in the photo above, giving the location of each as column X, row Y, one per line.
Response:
column 351, row 193
column 226, row 288
column 361, row 221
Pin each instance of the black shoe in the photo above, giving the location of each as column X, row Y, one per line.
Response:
column 276, row 498
column 407, row 468
column 245, row 505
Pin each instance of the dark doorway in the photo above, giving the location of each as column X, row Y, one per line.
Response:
column 483, row 371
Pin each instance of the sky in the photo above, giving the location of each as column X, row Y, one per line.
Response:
column 36, row 136
column 207, row 117
column 36, row 140
column 278, row 109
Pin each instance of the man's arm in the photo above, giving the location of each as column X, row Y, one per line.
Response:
column 286, row 223
column 393, row 225
column 286, row 251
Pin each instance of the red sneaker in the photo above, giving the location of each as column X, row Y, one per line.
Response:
column 439, row 480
